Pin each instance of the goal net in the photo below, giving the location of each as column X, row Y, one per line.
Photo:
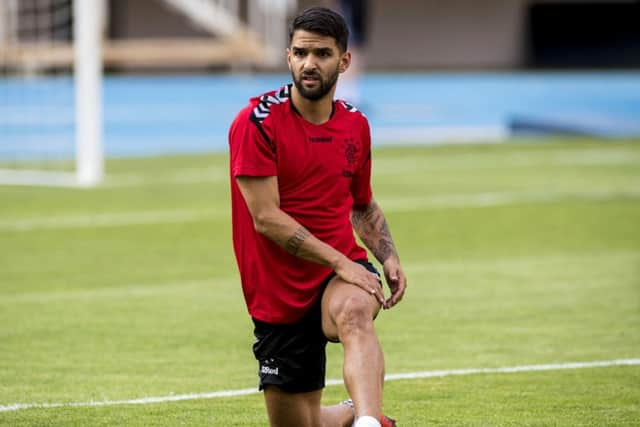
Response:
column 50, row 92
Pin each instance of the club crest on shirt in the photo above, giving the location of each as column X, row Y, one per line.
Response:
column 350, row 149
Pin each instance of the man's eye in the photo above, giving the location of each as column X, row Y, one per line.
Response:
column 298, row 53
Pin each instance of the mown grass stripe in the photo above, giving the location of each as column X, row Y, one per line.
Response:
column 120, row 219
column 154, row 289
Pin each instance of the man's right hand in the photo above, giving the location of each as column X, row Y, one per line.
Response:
column 356, row 274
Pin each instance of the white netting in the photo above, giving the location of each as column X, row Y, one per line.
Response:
column 36, row 86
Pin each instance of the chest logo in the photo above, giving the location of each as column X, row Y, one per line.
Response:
column 350, row 149
column 321, row 139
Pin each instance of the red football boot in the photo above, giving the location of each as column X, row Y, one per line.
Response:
column 387, row 422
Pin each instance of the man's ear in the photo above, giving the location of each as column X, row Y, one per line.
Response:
column 345, row 62
column 289, row 58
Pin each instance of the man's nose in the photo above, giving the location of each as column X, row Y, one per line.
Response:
column 310, row 63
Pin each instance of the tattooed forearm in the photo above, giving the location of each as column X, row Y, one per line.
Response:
column 384, row 250
column 360, row 217
column 373, row 230
column 295, row 242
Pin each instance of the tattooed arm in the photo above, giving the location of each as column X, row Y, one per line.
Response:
column 372, row 228
column 263, row 200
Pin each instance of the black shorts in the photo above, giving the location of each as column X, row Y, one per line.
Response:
column 292, row 356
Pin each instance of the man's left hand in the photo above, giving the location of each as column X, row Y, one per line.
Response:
column 396, row 280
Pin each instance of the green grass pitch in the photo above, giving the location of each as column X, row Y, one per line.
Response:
column 517, row 254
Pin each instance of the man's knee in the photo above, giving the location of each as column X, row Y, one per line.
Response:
column 355, row 315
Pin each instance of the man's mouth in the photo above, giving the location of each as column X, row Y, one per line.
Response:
column 310, row 78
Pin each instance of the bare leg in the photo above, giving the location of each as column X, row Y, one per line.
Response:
column 304, row 410
column 347, row 316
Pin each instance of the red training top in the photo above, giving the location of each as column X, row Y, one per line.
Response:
column 323, row 171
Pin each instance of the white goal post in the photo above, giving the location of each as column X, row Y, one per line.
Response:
column 88, row 26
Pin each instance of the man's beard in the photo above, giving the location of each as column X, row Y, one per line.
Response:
column 323, row 88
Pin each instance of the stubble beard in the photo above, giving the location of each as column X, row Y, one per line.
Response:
column 321, row 90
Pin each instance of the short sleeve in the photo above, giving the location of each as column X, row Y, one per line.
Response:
column 250, row 147
column 361, row 184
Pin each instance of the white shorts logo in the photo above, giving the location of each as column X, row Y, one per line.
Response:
column 268, row 371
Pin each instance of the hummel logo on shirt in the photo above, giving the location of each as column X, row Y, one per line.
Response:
column 321, row 139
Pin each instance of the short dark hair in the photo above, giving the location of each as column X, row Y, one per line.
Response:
column 323, row 21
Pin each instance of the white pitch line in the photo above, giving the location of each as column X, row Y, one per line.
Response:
column 109, row 220
column 479, row 200
column 330, row 382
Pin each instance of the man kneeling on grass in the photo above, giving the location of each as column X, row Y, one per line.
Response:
column 300, row 185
